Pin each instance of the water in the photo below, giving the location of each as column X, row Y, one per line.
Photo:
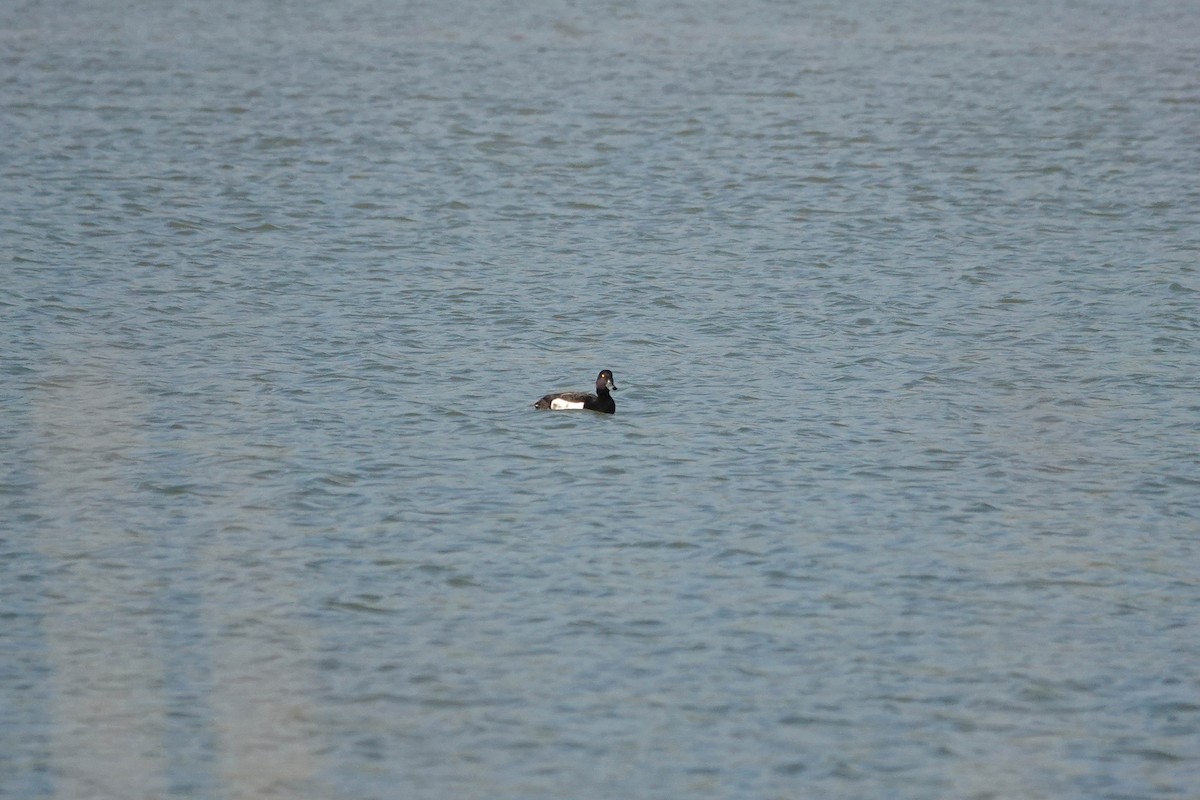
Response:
column 900, row 498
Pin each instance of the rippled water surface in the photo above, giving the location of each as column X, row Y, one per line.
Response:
column 902, row 494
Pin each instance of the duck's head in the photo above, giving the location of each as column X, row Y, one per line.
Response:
column 605, row 380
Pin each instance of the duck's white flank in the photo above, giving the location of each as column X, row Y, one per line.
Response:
column 558, row 404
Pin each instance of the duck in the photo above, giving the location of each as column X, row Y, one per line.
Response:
column 601, row 401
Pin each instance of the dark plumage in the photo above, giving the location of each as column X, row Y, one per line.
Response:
column 601, row 401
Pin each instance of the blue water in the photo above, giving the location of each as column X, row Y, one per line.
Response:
column 902, row 494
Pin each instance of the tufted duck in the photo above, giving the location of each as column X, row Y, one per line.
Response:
column 601, row 401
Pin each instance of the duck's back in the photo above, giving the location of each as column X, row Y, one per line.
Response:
column 563, row 401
